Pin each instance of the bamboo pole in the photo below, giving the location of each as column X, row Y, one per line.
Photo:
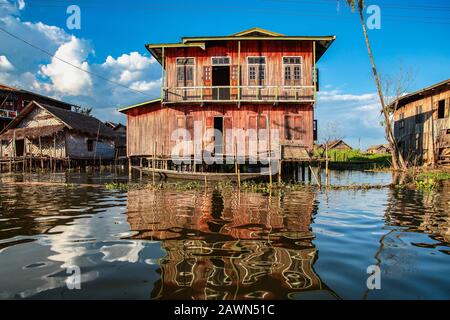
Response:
column 314, row 72
column 239, row 72
column 162, row 73
column 236, row 164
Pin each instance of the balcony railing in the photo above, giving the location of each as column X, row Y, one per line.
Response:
column 239, row 94
column 8, row 114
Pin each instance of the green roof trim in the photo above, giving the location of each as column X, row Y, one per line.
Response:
column 123, row 109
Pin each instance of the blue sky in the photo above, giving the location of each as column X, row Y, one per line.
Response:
column 414, row 36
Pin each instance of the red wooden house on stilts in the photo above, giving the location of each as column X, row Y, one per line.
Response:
column 235, row 97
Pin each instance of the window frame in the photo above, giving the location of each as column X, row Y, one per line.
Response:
column 90, row 145
column 292, row 70
column 257, row 71
column 296, row 133
column 230, row 63
column 194, row 73
column 443, row 109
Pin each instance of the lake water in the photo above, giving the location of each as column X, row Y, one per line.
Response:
column 211, row 244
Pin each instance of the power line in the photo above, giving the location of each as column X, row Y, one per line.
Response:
column 69, row 63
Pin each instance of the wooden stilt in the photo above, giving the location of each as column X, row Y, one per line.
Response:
column 303, row 172
column 153, row 162
column 279, row 171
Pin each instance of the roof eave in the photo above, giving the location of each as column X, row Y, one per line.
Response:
column 419, row 92
column 124, row 109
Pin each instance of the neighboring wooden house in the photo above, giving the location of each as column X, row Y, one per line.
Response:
column 121, row 140
column 336, row 145
column 51, row 133
column 13, row 101
column 379, row 149
column 251, row 80
column 422, row 124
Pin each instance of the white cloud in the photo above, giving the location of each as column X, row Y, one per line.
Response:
column 21, row 4
column 25, row 67
column 358, row 114
column 146, row 85
column 64, row 77
column 5, row 65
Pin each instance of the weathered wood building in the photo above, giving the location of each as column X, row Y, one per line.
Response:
column 43, row 135
column 422, row 124
column 255, row 80
column 338, row 144
column 121, row 139
column 379, row 149
column 14, row 100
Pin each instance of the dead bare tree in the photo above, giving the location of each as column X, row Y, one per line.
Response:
column 397, row 162
column 395, row 86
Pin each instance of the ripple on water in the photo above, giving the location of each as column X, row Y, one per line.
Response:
column 221, row 244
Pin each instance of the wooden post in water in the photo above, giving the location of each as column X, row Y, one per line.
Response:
column 40, row 152
column 153, row 162
column 237, row 169
column 303, row 172
column 309, row 172
column 31, row 155
column 129, row 167
column 140, row 168
column 279, row 171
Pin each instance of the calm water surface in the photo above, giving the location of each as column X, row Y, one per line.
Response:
column 210, row 244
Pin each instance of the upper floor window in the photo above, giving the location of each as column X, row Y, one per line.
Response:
column 220, row 61
column 292, row 67
column 256, row 70
column 441, row 109
column 90, row 145
column 185, row 72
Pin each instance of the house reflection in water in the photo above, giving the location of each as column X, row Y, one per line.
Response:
column 229, row 245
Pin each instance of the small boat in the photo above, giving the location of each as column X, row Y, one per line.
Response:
column 200, row 176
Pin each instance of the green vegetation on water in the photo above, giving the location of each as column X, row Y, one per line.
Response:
column 430, row 180
column 355, row 156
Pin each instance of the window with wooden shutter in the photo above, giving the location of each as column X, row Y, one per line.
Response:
column 292, row 71
column 234, row 73
column 185, row 72
column 256, row 70
column 293, row 127
column 206, row 73
column 298, row 127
